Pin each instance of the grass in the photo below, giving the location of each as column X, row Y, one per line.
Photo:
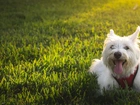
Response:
column 47, row 48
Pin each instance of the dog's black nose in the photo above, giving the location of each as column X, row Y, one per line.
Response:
column 117, row 55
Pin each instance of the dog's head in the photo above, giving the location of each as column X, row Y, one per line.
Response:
column 121, row 54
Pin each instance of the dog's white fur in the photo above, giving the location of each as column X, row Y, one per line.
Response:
column 130, row 56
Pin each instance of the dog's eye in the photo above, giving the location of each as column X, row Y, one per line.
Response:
column 126, row 47
column 112, row 47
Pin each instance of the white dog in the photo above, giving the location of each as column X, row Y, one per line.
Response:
column 120, row 62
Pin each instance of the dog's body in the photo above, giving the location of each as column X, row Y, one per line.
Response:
column 120, row 62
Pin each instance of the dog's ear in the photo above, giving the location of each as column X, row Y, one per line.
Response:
column 134, row 36
column 111, row 34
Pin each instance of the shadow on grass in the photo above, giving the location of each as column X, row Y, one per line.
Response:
column 34, row 13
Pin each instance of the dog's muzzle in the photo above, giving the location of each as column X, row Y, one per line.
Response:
column 117, row 55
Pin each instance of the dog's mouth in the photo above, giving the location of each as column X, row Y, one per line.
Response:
column 118, row 66
column 121, row 61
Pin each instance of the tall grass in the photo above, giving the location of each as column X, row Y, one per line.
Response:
column 47, row 48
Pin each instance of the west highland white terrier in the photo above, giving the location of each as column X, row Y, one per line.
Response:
column 120, row 62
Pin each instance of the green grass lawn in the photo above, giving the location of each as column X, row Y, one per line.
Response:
column 47, row 46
